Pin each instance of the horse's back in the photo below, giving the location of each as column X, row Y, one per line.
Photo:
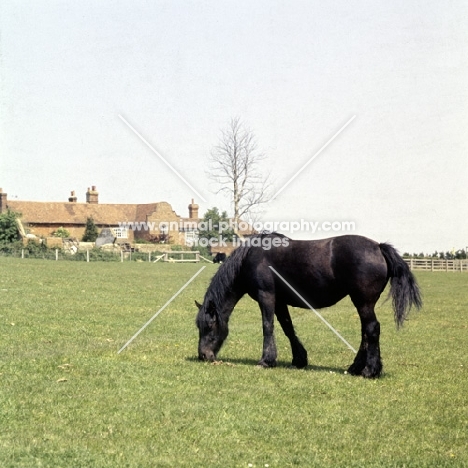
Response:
column 323, row 271
column 357, row 257
column 304, row 265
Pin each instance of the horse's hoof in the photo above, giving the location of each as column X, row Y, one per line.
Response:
column 299, row 364
column 371, row 373
column 266, row 364
column 354, row 370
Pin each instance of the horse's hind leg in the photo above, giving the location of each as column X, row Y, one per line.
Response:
column 368, row 362
column 298, row 351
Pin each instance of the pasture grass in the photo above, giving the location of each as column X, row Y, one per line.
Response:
column 68, row 399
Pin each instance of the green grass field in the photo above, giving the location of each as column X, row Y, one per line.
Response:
column 67, row 398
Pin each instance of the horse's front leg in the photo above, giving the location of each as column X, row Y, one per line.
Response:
column 267, row 306
column 298, row 351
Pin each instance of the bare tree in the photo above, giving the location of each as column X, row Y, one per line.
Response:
column 235, row 166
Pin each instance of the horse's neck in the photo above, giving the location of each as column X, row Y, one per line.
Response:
column 227, row 288
column 230, row 301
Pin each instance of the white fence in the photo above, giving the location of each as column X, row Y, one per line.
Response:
column 93, row 255
column 430, row 264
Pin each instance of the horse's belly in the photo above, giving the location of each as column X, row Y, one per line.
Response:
column 316, row 298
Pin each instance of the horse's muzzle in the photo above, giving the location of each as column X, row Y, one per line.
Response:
column 206, row 356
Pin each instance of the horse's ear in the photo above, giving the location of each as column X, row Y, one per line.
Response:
column 211, row 309
column 198, row 305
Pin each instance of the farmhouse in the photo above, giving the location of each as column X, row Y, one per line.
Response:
column 128, row 221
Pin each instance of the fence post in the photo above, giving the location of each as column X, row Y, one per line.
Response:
column 87, row 256
column 411, row 263
column 121, row 256
column 56, row 254
column 22, row 253
column 432, row 265
column 149, row 257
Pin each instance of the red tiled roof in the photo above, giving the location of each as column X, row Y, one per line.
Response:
column 77, row 213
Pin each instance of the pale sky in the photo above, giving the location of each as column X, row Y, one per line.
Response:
column 294, row 71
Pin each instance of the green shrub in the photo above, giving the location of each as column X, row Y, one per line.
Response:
column 95, row 255
column 142, row 241
column 61, row 232
column 8, row 227
column 204, row 251
column 11, row 248
column 91, row 231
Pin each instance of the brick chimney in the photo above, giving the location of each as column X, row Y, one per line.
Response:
column 3, row 201
column 72, row 198
column 193, row 210
column 92, row 195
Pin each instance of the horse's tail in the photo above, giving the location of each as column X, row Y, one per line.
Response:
column 404, row 288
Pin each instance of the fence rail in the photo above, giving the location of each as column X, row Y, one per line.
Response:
column 177, row 256
column 427, row 264
column 430, row 264
column 96, row 255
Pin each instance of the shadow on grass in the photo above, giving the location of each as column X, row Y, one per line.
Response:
column 280, row 363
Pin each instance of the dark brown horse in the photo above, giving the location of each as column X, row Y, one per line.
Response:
column 323, row 272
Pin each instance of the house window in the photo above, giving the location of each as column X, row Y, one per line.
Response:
column 120, row 232
column 191, row 236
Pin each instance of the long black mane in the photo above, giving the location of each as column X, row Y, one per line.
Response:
column 223, row 282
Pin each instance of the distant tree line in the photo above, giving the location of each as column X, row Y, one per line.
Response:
column 459, row 254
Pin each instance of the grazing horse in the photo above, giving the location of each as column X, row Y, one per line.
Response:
column 323, row 272
column 219, row 258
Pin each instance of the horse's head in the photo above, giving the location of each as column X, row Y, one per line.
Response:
column 213, row 330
